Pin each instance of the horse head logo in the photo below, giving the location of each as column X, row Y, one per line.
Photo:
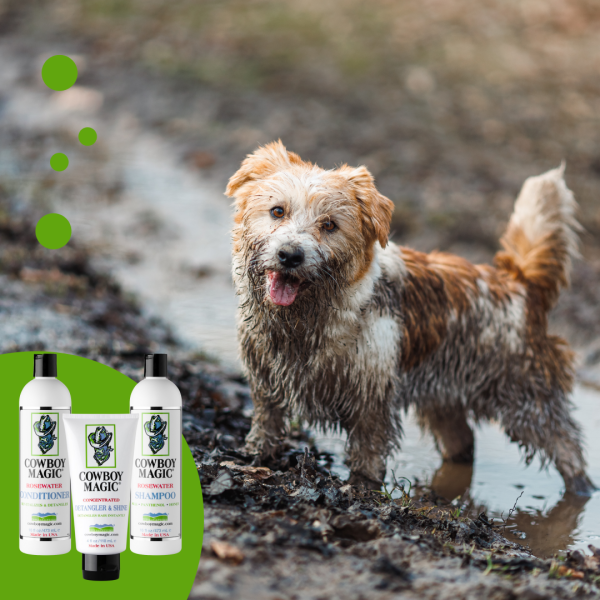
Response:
column 44, row 429
column 154, row 429
column 100, row 441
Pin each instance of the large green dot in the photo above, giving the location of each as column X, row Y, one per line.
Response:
column 88, row 136
column 59, row 72
column 59, row 161
column 53, row 231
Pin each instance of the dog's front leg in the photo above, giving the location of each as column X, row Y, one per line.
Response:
column 367, row 449
column 267, row 431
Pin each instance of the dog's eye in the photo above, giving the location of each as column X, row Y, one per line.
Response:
column 329, row 226
column 277, row 212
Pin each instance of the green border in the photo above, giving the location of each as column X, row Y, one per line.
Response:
column 87, row 445
column 57, row 436
column 168, row 432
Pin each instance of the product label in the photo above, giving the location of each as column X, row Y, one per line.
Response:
column 45, row 491
column 102, row 490
column 156, row 482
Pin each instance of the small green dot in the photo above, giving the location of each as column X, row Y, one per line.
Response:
column 53, row 231
column 88, row 136
column 59, row 72
column 59, row 161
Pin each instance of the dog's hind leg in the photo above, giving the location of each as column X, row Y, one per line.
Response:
column 544, row 425
column 453, row 435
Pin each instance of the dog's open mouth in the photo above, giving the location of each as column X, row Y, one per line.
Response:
column 283, row 288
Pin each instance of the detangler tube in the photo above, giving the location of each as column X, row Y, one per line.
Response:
column 45, row 492
column 100, row 460
column 156, row 482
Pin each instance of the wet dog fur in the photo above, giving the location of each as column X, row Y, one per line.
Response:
column 340, row 328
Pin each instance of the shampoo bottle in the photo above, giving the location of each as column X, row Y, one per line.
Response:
column 45, row 489
column 156, row 484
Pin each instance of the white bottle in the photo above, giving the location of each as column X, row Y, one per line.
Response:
column 155, row 526
column 44, row 483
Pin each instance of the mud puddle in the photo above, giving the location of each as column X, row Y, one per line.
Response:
column 546, row 520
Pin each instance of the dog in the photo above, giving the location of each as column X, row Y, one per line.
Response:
column 340, row 328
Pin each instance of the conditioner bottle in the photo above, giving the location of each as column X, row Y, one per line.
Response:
column 45, row 489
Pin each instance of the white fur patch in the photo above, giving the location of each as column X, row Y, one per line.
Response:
column 504, row 324
column 390, row 259
column 545, row 205
column 378, row 344
column 347, row 321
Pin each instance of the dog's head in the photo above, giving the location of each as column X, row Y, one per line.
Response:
column 300, row 228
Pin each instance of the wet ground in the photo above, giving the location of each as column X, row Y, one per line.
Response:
column 147, row 201
column 161, row 229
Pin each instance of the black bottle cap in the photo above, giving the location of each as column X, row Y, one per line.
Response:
column 155, row 365
column 44, row 365
column 101, row 567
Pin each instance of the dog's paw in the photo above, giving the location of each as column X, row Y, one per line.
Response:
column 257, row 460
column 371, row 484
column 252, row 453
column 581, row 485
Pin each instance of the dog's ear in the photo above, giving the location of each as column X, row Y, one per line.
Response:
column 264, row 161
column 376, row 208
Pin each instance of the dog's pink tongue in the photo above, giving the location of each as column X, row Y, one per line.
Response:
column 282, row 292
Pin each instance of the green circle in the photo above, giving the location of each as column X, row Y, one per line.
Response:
column 94, row 388
column 53, row 231
column 59, row 72
column 88, row 136
column 59, row 161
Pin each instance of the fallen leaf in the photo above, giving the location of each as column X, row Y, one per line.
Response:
column 306, row 493
column 222, row 483
column 226, row 551
column 255, row 472
column 572, row 573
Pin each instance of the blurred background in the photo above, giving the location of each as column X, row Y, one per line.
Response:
column 450, row 103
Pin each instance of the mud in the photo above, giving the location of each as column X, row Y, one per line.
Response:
column 291, row 529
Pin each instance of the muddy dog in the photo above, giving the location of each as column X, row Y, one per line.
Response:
column 340, row 328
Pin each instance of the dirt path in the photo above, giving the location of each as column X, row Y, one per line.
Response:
column 157, row 225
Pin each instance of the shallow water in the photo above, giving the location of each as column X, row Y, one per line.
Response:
column 546, row 519
column 166, row 239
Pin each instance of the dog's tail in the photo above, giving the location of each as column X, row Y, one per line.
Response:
column 541, row 238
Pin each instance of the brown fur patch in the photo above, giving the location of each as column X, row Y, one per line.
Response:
column 376, row 208
column 541, row 264
column 436, row 285
column 263, row 162
column 425, row 305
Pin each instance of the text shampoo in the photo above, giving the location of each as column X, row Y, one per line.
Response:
column 156, row 484
column 45, row 490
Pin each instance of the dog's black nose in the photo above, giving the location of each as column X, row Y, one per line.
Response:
column 291, row 257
